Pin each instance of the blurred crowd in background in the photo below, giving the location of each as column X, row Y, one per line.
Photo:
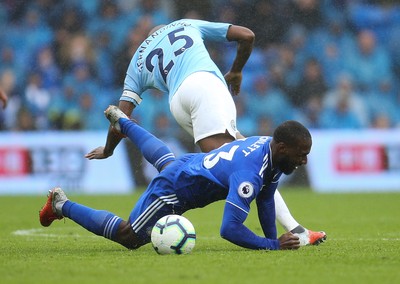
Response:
column 331, row 64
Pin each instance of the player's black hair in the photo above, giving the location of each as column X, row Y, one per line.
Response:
column 156, row 28
column 291, row 132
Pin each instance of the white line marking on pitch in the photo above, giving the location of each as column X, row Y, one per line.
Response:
column 61, row 234
column 41, row 233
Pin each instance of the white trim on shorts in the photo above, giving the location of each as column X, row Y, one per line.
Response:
column 152, row 209
column 203, row 106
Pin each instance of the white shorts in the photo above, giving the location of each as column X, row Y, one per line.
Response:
column 203, row 106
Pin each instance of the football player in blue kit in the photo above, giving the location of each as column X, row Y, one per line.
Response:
column 239, row 172
column 175, row 60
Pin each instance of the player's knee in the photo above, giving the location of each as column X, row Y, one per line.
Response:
column 126, row 236
column 207, row 147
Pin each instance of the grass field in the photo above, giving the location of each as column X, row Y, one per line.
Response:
column 363, row 245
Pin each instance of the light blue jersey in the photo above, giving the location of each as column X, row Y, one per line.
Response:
column 172, row 53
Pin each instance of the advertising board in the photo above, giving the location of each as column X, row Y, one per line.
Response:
column 34, row 162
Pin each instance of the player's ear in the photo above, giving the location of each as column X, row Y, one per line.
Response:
column 282, row 147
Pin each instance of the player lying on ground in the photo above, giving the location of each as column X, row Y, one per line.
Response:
column 175, row 60
column 239, row 172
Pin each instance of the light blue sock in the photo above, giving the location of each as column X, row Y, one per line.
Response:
column 99, row 222
column 153, row 149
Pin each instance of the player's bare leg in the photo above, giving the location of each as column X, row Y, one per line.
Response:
column 127, row 237
column 215, row 141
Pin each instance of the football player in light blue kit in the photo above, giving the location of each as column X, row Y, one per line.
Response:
column 175, row 60
column 239, row 172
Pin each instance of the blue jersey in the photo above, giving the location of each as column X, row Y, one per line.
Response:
column 172, row 53
column 237, row 172
column 240, row 172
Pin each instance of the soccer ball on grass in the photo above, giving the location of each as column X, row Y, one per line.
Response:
column 173, row 234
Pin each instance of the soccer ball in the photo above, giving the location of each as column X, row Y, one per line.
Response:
column 173, row 234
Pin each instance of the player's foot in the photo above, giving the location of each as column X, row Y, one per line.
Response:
column 309, row 237
column 113, row 114
column 315, row 238
column 52, row 210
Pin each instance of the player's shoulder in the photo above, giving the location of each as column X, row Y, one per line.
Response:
column 194, row 22
column 200, row 24
column 247, row 147
column 255, row 141
column 185, row 23
column 253, row 149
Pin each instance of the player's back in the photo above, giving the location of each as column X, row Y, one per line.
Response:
column 205, row 178
column 172, row 53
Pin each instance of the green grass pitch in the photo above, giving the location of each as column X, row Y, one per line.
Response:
column 363, row 245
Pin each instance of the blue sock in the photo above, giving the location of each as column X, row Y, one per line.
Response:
column 99, row 222
column 153, row 149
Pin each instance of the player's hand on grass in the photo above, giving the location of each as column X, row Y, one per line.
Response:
column 234, row 80
column 98, row 153
column 289, row 241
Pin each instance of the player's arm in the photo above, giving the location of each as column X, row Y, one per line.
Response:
column 243, row 189
column 3, row 98
column 266, row 211
column 245, row 39
column 113, row 138
column 266, row 214
column 233, row 230
column 130, row 98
